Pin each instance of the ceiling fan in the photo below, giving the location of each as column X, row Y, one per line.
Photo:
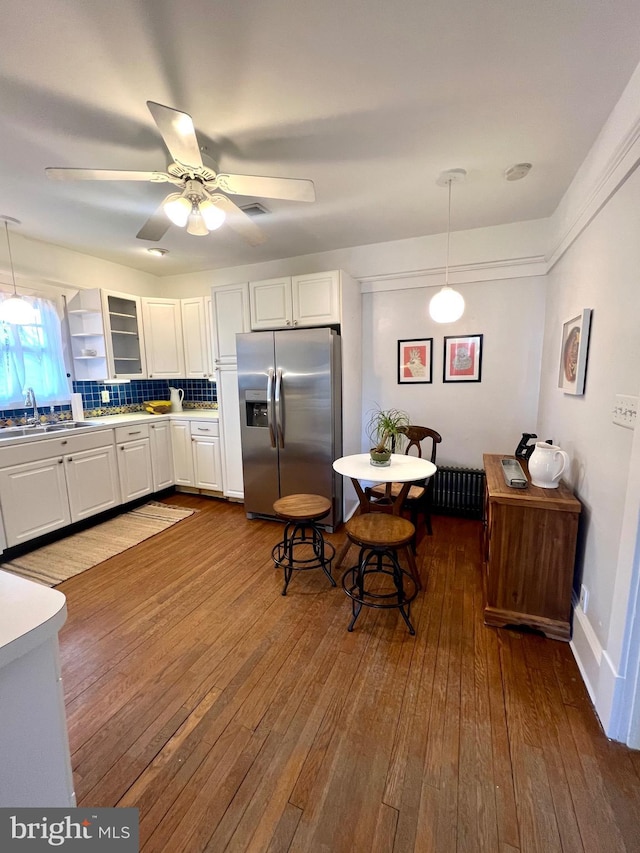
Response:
column 200, row 205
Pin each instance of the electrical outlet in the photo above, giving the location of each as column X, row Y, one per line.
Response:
column 625, row 411
column 105, row 396
column 584, row 598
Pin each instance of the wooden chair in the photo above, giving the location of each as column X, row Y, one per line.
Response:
column 419, row 498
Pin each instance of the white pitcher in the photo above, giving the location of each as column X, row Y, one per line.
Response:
column 176, row 395
column 547, row 464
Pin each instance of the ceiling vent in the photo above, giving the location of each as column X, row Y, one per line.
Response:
column 254, row 209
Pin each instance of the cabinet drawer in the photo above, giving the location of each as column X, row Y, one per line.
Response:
column 205, row 428
column 132, row 433
column 45, row 448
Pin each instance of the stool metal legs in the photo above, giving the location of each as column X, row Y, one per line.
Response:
column 317, row 555
column 379, row 561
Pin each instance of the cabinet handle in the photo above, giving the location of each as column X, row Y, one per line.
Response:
column 288, row 322
column 69, row 458
column 122, row 447
column 60, row 461
column 64, row 441
column 135, row 432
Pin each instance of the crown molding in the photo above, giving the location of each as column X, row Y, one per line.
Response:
column 499, row 268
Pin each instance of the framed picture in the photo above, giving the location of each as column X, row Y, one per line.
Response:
column 462, row 358
column 415, row 361
column 573, row 353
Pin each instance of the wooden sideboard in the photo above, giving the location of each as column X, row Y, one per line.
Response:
column 529, row 553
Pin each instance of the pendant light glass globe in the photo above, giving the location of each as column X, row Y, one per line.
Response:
column 177, row 208
column 212, row 215
column 14, row 309
column 446, row 306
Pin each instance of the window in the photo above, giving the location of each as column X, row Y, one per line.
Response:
column 32, row 357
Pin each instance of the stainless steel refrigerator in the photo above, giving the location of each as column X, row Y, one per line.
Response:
column 291, row 417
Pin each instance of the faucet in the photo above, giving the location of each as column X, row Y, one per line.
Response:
column 30, row 400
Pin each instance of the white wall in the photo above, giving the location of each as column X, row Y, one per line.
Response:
column 473, row 418
column 599, row 271
column 36, row 262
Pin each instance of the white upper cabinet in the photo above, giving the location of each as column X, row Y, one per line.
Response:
column 124, row 337
column 271, row 303
column 299, row 300
column 86, row 330
column 197, row 338
column 315, row 299
column 162, row 323
column 229, row 315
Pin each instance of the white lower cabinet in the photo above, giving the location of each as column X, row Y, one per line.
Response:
column 207, row 468
column 52, row 483
column 161, row 456
column 92, row 482
column 134, row 462
column 182, row 455
column 34, row 499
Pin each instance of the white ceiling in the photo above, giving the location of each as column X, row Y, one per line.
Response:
column 371, row 100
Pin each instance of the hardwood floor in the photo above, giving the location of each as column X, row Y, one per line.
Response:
column 238, row 719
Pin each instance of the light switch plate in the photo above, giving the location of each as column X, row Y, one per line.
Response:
column 105, row 396
column 625, row 411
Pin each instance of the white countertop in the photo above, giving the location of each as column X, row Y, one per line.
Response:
column 30, row 614
column 145, row 417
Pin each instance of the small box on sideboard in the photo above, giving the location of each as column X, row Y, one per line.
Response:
column 529, row 553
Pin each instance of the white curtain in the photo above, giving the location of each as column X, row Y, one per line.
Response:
column 32, row 357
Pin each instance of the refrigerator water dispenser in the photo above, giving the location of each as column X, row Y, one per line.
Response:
column 256, row 409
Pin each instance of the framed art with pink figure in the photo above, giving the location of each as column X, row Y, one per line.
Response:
column 415, row 361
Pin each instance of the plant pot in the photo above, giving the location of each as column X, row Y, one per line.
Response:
column 380, row 458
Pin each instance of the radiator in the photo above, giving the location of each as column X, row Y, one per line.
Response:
column 458, row 491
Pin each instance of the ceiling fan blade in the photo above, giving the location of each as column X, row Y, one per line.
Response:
column 156, row 226
column 178, row 132
column 63, row 174
column 239, row 221
column 291, row 189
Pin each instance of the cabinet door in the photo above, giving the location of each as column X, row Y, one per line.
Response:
column 163, row 338
column 134, row 467
column 161, row 456
column 230, row 315
column 34, row 501
column 270, row 302
column 92, row 481
column 316, row 299
column 229, row 406
column 206, row 463
column 182, row 454
column 122, row 315
column 194, row 330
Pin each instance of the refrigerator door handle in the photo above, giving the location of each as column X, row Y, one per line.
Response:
column 277, row 398
column 270, row 419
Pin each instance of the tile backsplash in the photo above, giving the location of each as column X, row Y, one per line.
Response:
column 124, row 397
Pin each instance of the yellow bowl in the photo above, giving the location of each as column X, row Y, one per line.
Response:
column 158, row 407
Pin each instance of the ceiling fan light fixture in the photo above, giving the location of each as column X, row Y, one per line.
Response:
column 447, row 305
column 196, row 225
column 178, row 209
column 212, row 215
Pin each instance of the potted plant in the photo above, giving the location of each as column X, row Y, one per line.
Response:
column 384, row 429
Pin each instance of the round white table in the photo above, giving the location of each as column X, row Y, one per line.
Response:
column 404, row 468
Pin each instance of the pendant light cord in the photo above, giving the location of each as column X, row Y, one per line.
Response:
column 446, row 268
column 13, row 276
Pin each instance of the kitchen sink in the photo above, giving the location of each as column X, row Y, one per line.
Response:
column 42, row 429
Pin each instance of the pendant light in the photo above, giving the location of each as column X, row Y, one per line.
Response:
column 14, row 309
column 447, row 305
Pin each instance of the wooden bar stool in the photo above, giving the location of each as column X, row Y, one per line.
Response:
column 303, row 546
column 380, row 536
